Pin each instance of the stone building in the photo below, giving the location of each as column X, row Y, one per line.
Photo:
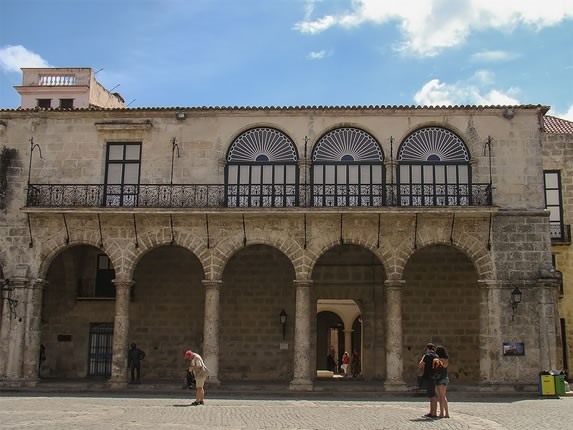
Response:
column 558, row 173
column 262, row 237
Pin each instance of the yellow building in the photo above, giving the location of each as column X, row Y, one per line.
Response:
column 557, row 164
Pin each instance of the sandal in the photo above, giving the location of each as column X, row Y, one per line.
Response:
column 197, row 403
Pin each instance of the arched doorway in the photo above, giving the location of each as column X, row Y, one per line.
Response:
column 257, row 287
column 338, row 330
column 78, row 311
column 441, row 304
column 348, row 280
column 167, row 310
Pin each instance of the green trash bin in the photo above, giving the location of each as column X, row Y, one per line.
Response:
column 560, row 384
column 546, row 383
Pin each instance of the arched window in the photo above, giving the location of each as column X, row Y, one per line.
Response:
column 262, row 170
column 434, row 169
column 348, row 169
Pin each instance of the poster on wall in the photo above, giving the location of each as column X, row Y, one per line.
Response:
column 513, row 348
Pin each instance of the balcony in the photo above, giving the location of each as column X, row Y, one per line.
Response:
column 560, row 233
column 256, row 196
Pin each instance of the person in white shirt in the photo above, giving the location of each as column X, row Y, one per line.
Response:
column 200, row 371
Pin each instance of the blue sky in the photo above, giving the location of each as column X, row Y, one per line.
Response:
column 175, row 53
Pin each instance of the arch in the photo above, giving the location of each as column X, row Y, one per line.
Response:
column 314, row 254
column 226, row 249
column 472, row 248
column 152, row 240
column 441, row 298
column 269, row 142
column 352, row 143
column 53, row 248
column 262, row 170
column 433, row 143
column 348, row 169
column 434, row 169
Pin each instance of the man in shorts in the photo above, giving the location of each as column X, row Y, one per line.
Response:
column 200, row 371
column 428, row 382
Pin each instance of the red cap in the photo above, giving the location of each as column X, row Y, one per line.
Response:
column 188, row 355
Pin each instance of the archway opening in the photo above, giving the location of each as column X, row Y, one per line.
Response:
column 441, row 304
column 348, row 282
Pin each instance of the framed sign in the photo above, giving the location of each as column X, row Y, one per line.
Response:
column 513, row 348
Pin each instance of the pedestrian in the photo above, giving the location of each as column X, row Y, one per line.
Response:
column 200, row 371
column 345, row 364
column 134, row 357
column 41, row 360
column 427, row 380
column 442, row 381
column 330, row 363
column 355, row 364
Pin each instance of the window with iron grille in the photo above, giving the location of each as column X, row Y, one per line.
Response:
column 100, row 349
column 262, row 170
column 123, row 162
column 348, row 169
column 554, row 204
column 434, row 169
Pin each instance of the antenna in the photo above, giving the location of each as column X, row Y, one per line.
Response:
column 130, row 102
column 114, row 88
column 95, row 73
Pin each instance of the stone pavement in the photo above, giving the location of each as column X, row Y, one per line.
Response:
column 141, row 410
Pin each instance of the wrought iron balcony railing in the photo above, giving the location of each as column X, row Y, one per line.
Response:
column 235, row 196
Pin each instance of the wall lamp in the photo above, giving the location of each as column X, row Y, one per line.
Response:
column 508, row 113
column 283, row 319
column 12, row 303
column 180, row 115
column 515, row 301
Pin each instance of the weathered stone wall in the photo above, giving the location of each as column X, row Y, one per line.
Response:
column 257, row 285
column 441, row 305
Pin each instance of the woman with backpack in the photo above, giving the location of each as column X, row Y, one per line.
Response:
column 442, row 381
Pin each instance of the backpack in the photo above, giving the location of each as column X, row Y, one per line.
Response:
column 437, row 367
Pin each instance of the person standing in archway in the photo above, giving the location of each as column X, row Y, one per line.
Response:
column 134, row 357
column 428, row 381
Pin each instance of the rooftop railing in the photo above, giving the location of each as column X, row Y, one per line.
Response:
column 262, row 195
column 57, row 80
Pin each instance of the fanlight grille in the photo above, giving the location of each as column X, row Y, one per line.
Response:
column 347, row 145
column 433, row 144
column 262, row 144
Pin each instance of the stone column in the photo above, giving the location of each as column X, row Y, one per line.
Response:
column 490, row 344
column 548, row 324
column 17, row 330
column 394, row 332
column 348, row 341
column 4, row 334
column 120, row 333
column 34, row 332
column 211, row 329
column 301, row 361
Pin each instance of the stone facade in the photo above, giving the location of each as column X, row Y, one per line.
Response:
column 558, row 156
column 215, row 278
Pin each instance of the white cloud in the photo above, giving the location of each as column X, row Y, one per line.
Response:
column 316, row 55
column 12, row 58
column 430, row 26
column 567, row 115
column 493, row 56
column 436, row 93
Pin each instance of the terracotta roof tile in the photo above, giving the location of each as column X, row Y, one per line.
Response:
column 557, row 125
